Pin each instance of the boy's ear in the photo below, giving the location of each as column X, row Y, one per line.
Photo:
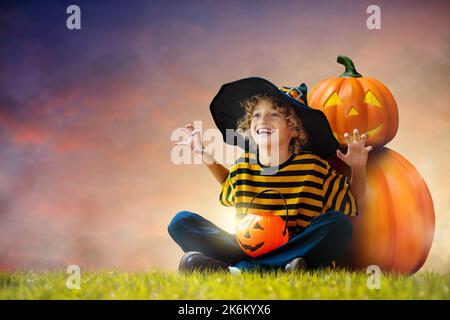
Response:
column 294, row 133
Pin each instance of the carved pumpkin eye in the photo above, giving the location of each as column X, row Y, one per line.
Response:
column 258, row 226
column 333, row 100
column 370, row 98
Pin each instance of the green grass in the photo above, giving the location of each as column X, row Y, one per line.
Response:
column 324, row 284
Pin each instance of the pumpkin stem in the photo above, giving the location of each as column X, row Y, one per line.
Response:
column 350, row 70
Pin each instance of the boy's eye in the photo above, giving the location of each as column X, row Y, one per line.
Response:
column 274, row 114
column 257, row 115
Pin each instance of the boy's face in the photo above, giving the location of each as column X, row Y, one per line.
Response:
column 269, row 127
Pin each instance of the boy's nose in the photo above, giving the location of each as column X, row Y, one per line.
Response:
column 263, row 123
column 265, row 118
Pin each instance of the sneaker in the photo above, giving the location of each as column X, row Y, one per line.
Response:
column 234, row 271
column 197, row 261
column 296, row 265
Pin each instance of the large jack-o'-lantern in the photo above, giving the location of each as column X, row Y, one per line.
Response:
column 260, row 233
column 352, row 101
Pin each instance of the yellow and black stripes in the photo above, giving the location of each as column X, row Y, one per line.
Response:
column 227, row 194
column 337, row 194
column 306, row 181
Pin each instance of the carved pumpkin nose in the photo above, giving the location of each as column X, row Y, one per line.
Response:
column 353, row 111
column 247, row 235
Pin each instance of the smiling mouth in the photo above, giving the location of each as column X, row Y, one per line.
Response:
column 264, row 131
column 369, row 133
column 251, row 248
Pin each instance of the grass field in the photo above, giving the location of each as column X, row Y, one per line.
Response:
column 324, row 284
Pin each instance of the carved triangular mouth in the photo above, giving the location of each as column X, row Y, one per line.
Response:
column 251, row 248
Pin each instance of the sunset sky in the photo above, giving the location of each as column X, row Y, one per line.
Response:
column 86, row 115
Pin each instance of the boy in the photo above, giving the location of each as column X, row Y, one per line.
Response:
column 288, row 144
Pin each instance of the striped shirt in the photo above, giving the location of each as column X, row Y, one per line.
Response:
column 308, row 183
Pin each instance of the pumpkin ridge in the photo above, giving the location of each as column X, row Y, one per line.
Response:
column 388, row 100
column 399, row 215
column 382, row 93
column 363, row 110
column 367, row 85
column 413, row 178
column 342, row 121
column 430, row 237
column 393, row 210
column 382, row 184
column 317, row 90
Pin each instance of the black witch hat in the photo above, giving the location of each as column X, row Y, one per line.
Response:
column 226, row 110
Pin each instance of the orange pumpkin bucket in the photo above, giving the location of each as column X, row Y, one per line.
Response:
column 260, row 233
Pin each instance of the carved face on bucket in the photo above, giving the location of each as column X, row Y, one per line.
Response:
column 260, row 233
column 247, row 236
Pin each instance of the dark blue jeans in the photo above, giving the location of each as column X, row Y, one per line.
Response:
column 324, row 240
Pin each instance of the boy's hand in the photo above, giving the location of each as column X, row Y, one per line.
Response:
column 195, row 142
column 357, row 152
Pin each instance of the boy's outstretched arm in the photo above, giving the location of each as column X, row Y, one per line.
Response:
column 218, row 171
column 356, row 158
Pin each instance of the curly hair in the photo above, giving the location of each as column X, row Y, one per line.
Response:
column 299, row 139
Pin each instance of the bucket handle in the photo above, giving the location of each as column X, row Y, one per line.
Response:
column 282, row 197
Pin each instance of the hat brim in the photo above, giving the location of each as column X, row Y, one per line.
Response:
column 226, row 110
